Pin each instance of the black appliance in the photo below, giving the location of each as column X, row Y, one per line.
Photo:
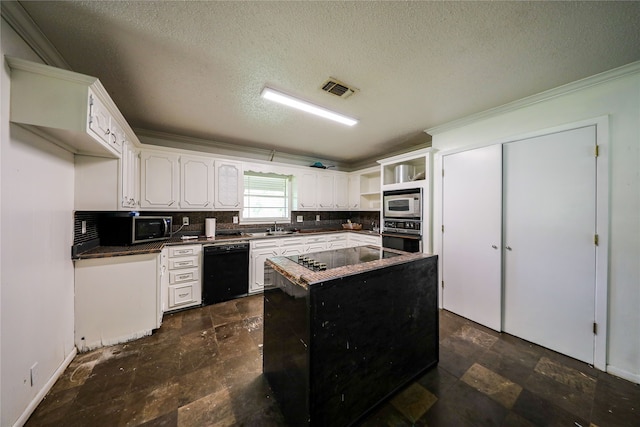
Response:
column 402, row 242
column 326, row 260
column 225, row 272
column 119, row 230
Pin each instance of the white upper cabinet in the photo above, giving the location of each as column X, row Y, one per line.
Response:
column 159, row 184
column 229, row 185
column 130, row 174
column 354, row 191
column 325, row 190
column 307, row 188
column 69, row 109
column 196, row 182
column 341, row 191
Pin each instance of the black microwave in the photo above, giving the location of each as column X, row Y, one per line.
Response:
column 129, row 230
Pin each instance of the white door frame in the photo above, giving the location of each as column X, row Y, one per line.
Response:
column 602, row 219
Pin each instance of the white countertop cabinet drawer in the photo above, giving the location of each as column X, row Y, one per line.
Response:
column 182, row 295
column 183, row 262
column 180, row 276
column 180, row 251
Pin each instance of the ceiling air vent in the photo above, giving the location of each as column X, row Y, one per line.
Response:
column 338, row 88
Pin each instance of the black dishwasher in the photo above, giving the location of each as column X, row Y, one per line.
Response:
column 225, row 272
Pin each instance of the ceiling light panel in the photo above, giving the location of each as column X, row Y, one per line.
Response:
column 290, row 101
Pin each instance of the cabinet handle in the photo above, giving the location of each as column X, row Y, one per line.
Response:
column 107, row 132
column 494, row 246
column 171, row 202
column 206, row 204
column 509, row 248
column 183, row 295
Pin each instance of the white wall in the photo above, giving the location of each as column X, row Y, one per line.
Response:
column 620, row 100
column 36, row 286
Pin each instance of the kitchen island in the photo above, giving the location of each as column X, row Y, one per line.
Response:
column 342, row 336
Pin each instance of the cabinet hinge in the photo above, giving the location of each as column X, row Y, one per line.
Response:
column 443, row 228
column 442, row 284
column 595, row 328
column 90, row 109
column 595, row 239
column 596, row 151
column 442, row 172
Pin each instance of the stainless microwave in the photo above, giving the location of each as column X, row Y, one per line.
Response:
column 130, row 230
column 403, row 204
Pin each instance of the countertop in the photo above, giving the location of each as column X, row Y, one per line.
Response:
column 156, row 247
column 304, row 277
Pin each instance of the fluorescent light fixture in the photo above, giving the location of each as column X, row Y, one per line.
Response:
column 281, row 98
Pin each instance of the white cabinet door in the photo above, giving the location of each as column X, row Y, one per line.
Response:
column 160, row 180
column 307, row 190
column 256, row 276
column 337, row 241
column 325, row 190
column 130, row 177
column 549, row 228
column 354, row 191
column 229, row 185
column 196, row 183
column 341, row 191
column 99, row 120
column 472, row 219
column 126, row 285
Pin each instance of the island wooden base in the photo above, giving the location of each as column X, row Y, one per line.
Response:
column 335, row 350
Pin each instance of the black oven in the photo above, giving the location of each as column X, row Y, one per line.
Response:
column 402, row 242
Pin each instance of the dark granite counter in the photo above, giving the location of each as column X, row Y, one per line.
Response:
column 156, row 247
column 304, row 277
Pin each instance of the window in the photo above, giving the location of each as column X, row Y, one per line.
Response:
column 266, row 197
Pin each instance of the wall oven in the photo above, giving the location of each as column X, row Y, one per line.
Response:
column 403, row 203
column 119, row 230
column 402, row 220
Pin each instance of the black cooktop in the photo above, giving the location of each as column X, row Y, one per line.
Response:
column 327, row 260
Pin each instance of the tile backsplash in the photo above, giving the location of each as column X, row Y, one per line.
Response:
column 224, row 221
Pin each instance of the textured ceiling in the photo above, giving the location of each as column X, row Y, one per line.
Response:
column 197, row 68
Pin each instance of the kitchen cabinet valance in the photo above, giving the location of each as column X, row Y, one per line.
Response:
column 69, row 109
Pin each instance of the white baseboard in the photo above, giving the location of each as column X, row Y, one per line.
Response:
column 634, row 378
column 45, row 389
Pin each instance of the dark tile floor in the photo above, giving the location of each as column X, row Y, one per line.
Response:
column 203, row 367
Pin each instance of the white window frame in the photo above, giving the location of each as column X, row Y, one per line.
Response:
column 269, row 220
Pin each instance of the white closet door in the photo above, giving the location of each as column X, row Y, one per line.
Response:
column 549, row 226
column 472, row 219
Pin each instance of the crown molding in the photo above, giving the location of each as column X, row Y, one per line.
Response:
column 243, row 151
column 17, row 17
column 616, row 73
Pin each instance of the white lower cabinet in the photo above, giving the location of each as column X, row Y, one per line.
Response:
column 116, row 299
column 315, row 243
column 182, row 280
column 358, row 239
column 337, row 241
column 260, row 250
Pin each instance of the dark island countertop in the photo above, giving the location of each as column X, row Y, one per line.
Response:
column 305, row 277
column 156, row 247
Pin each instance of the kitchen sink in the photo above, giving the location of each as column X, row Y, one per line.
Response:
column 271, row 233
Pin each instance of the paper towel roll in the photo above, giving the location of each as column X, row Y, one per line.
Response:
column 210, row 227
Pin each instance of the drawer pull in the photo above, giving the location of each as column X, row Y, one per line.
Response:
column 184, row 276
column 183, row 263
column 183, row 295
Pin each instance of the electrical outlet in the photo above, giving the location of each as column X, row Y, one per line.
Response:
column 34, row 374
column 84, row 227
column 235, row 219
column 185, row 220
column 317, row 217
column 299, row 218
